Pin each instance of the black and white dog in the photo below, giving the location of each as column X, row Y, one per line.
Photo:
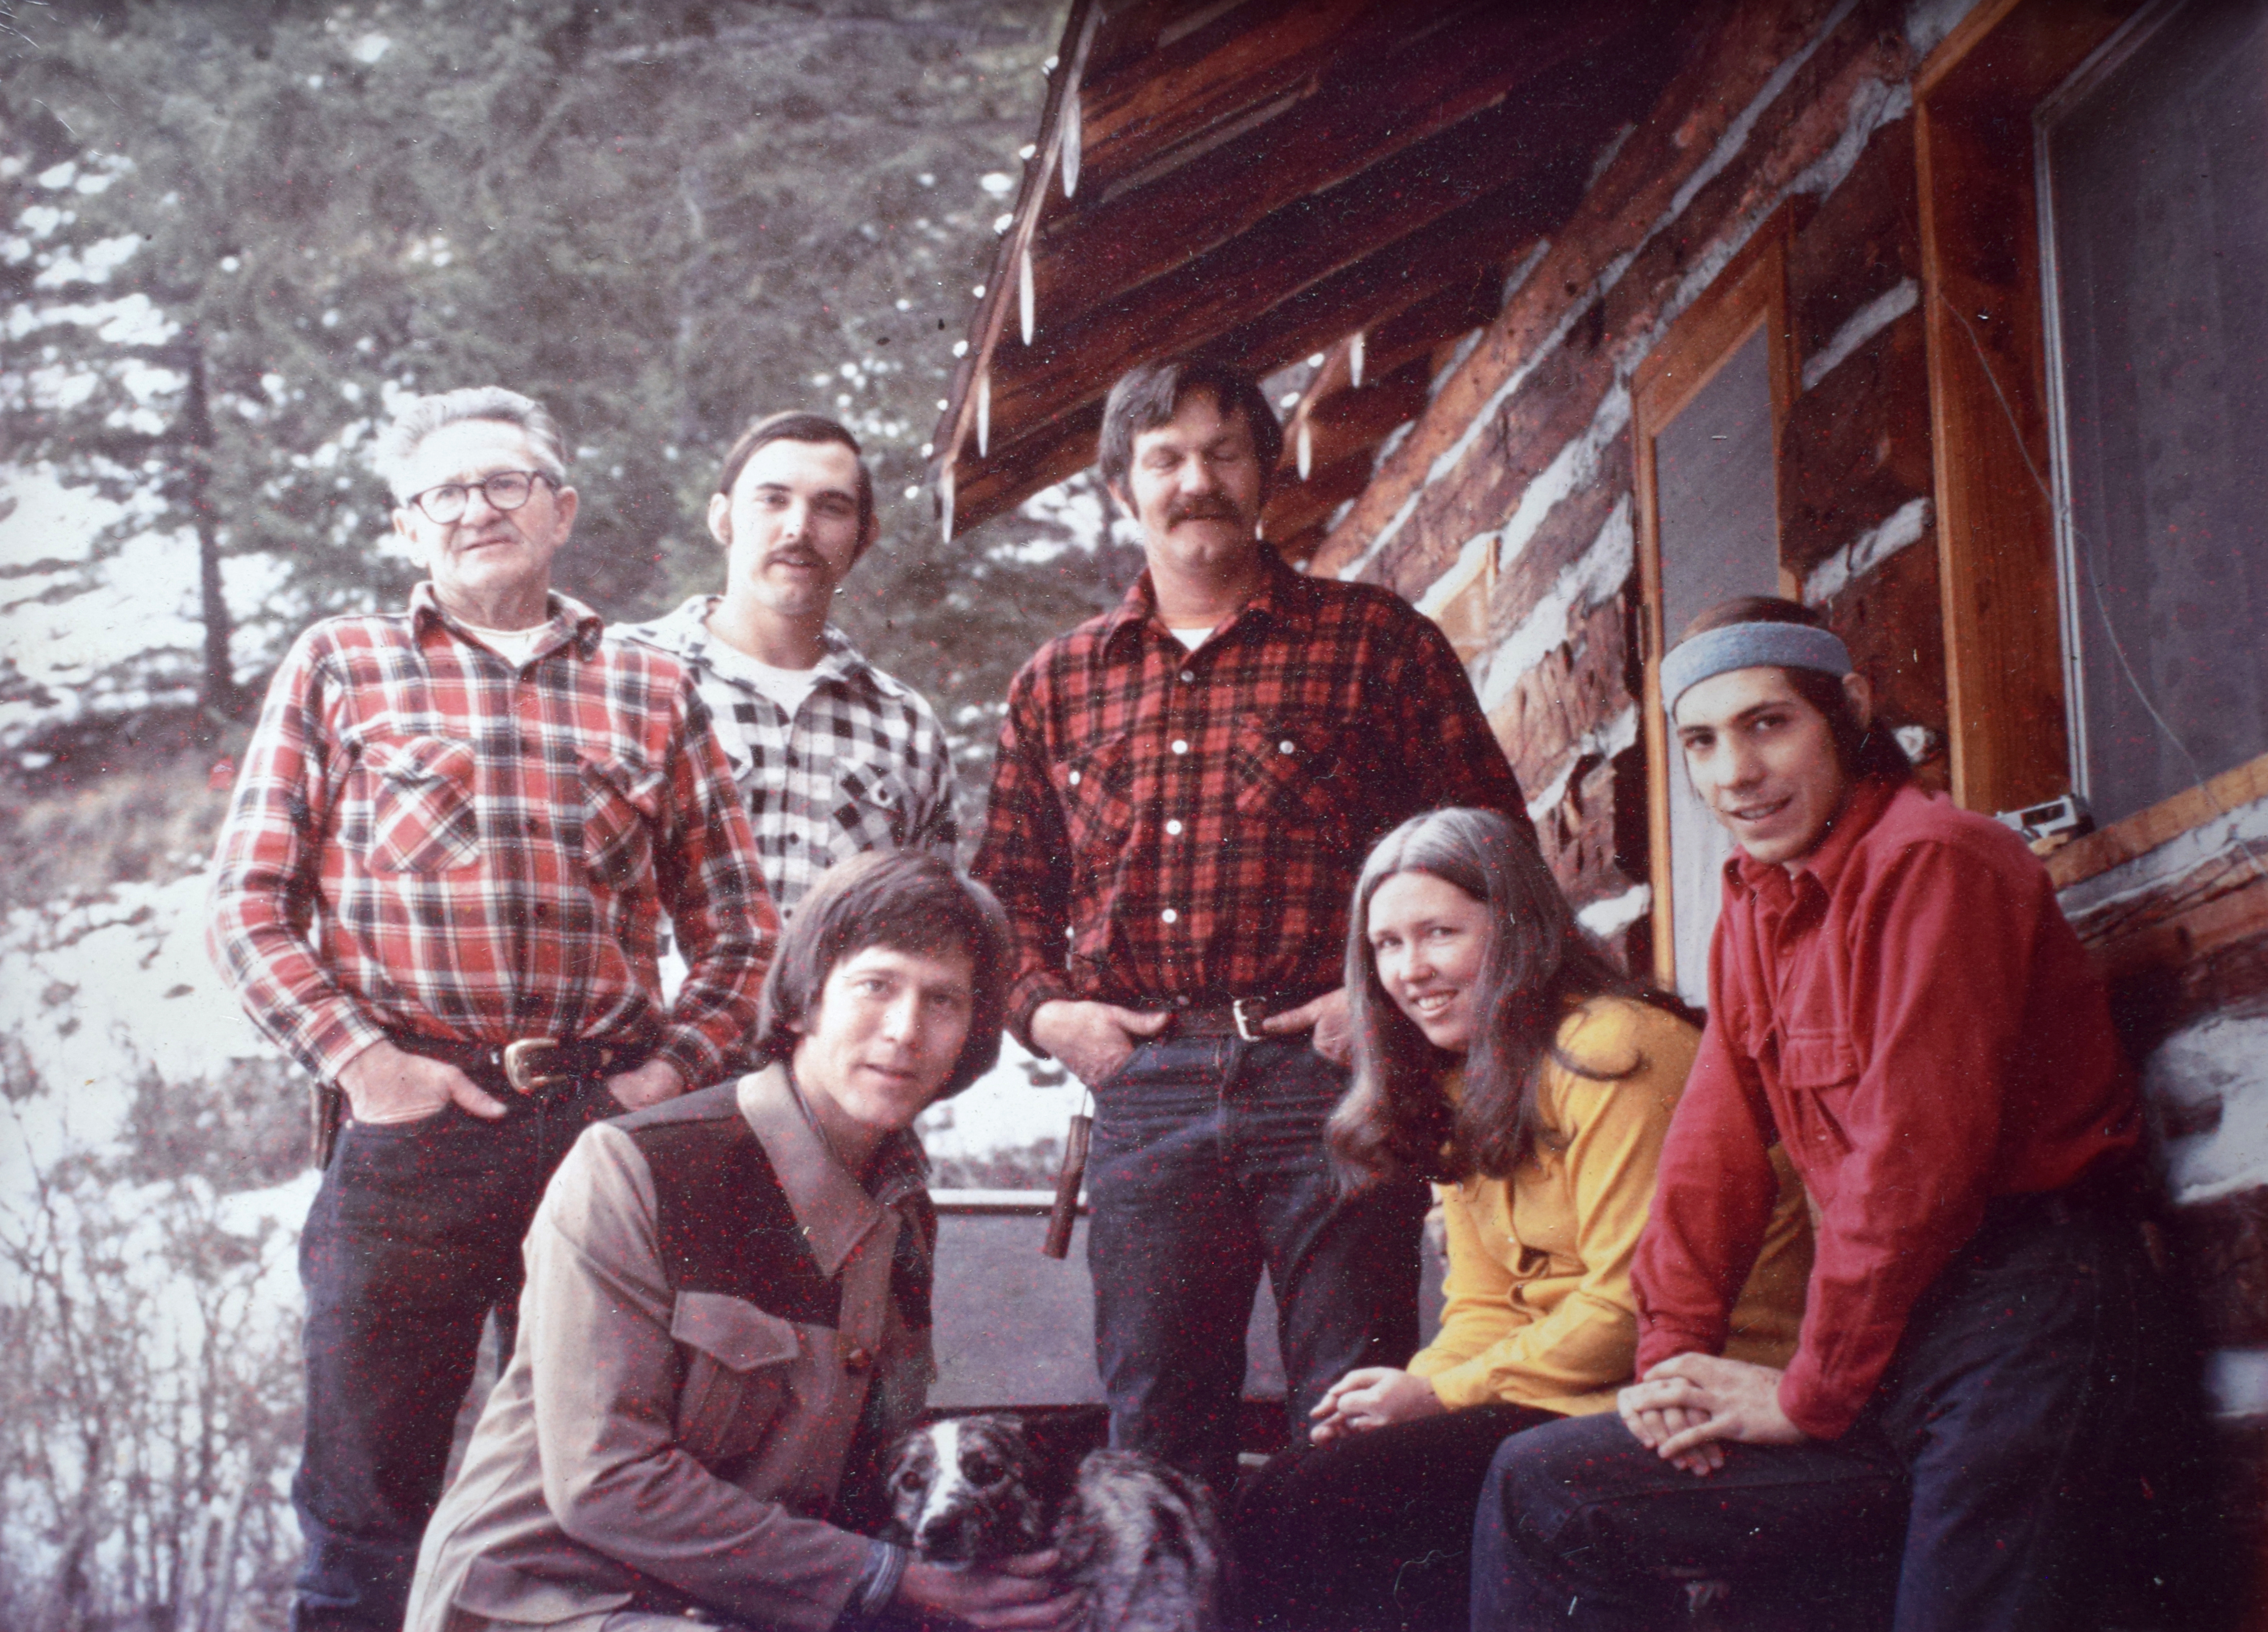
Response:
column 1141, row 1538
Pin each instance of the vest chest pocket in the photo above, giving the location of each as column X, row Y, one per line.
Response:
column 421, row 815
column 736, row 1360
column 622, row 803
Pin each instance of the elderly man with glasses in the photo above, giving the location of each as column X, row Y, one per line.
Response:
column 439, row 890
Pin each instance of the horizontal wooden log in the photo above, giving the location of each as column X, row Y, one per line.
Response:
column 1265, row 50
column 1856, row 448
column 1379, row 109
column 1080, row 367
column 1294, row 505
column 1722, row 55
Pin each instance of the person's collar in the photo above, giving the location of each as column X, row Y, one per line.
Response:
column 686, row 632
column 566, row 616
column 1827, row 860
column 835, row 1211
column 1282, row 595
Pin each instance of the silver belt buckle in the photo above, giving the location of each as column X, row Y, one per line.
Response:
column 524, row 1060
column 1246, row 1029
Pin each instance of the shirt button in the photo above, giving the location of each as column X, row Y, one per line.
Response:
column 1182, row 1002
column 534, row 826
column 1074, row 779
column 1287, row 746
column 1174, row 828
column 795, row 838
column 1181, row 745
column 857, row 1359
column 1189, row 676
column 1170, row 916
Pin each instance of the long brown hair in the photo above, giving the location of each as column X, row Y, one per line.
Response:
column 1538, row 962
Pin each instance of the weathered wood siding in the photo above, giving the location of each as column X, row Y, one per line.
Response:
column 1508, row 511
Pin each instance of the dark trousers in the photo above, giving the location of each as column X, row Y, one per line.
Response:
column 1961, row 1500
column 1207, row 1164
column 1374, row 1531
column 413, row 1239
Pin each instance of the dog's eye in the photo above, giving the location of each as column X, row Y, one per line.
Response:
column 981, row 1470
column 910, row 1480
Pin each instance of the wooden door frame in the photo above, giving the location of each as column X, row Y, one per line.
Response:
column 1750, row 293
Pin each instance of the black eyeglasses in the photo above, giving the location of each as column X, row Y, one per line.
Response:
column 505, row 490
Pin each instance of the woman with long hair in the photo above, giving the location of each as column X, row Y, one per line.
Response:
column 1500, row 1054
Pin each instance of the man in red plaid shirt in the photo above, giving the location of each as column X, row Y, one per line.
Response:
column 1185, row 791
column 437, row 889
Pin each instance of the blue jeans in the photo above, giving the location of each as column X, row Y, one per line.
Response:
column 1960, row 1500
column 414, row 1237
column 1207, row 1165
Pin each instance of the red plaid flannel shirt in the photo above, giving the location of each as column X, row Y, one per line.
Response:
column 1169, row 825
column 425, row 839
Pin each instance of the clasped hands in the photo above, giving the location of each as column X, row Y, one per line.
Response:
column 388, row 1084
column 1691, row 1405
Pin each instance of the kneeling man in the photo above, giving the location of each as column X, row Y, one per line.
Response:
column 1896, row 997
column 727, row 1312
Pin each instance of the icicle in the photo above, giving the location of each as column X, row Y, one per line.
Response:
column 1305, row 446
column 945, row 498
column 1354, row 359
column 984, row 413
column 1024, row 298
column 1071, row 138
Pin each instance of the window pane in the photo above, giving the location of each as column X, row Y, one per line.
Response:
column 1720, row 538
column 2158, row 190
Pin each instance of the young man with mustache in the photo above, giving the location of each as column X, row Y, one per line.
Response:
column 832, row 756
column 1185, row 791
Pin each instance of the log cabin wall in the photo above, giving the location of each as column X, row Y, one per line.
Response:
column 1512, row 511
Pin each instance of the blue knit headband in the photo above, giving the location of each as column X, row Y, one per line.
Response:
column 1749, row 646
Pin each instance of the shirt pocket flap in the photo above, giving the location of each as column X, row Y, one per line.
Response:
column 622, row 805
column 1096, row 789
column 411, row 760
column 731, row 1331
column 502, row 1593
column 1817, row 1060
column 422, row 814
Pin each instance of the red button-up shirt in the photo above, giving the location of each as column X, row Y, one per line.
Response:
column 1909, row 1012
column 426, row 838
column 1172, row 824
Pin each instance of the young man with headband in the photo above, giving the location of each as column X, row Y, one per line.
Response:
column 1896, row 997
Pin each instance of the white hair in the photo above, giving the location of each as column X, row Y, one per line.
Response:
column 420, row 417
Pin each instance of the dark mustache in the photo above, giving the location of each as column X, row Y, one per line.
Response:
column 1201, row 510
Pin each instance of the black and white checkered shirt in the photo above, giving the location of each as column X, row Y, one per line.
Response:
column 862, row 765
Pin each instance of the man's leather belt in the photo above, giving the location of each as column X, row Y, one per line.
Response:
column 1239, row 1017
column 528, row 1065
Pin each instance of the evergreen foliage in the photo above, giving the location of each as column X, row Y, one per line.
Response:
column 229, row 232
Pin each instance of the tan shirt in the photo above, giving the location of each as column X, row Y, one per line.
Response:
column 662, row 1449
column 1539, row 1309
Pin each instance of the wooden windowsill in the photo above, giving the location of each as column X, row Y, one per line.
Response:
column 2160, row 824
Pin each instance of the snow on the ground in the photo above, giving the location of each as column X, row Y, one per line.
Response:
column 1003, row 1110
column 98, row 991
column 103, row 990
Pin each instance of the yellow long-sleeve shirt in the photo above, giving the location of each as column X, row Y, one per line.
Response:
column 1539, row 1305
